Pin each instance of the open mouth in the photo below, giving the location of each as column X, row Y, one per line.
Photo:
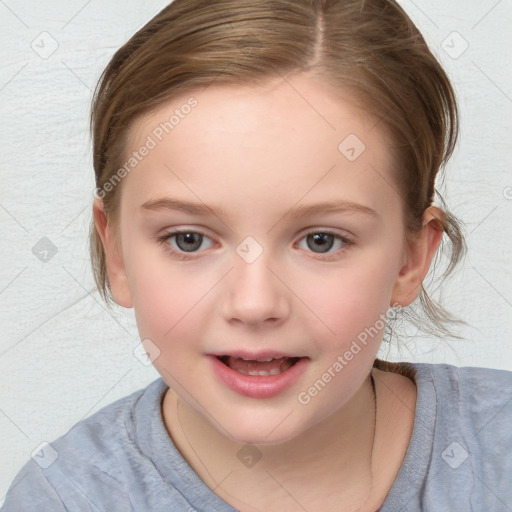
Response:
column 259, row 367
column 258, row 375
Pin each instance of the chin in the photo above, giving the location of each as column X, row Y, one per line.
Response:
column 271, row 430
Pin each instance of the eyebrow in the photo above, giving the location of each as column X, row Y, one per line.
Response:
column 295, row 212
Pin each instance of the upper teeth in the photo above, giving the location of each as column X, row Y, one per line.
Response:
column 266, row 360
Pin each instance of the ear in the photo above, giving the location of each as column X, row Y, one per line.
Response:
column 419, row 253
column 117, row 279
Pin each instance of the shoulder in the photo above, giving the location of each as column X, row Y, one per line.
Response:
column 465, row 391
column 460, row 452
column 476, row 402
column 86, row 464
column 482, row 397
column 110, row 432
column 445, row 373
column 472, row 435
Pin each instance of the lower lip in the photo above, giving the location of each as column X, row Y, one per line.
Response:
column 258, row 386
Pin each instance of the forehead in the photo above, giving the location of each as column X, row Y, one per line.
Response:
column 292, row 137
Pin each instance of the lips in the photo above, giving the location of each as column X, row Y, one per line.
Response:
column 262, row 375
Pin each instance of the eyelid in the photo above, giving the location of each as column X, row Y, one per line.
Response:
column 330, row 230
column 342, row 234
column 168, row 232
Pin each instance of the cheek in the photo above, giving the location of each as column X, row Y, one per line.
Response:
column 169, row 305
column 353, row 303
column 165, row 305
column 352, row 300
column 165, row 295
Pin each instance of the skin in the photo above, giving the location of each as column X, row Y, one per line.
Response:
column 257, row 152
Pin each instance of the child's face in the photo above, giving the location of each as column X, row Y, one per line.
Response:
column 246, row 158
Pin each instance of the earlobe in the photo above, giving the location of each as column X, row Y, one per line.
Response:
column 420, row 252
column 117, row 279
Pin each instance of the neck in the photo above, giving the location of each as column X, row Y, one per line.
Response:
column 338, row 449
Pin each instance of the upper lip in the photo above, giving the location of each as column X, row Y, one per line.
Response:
column 253, row 356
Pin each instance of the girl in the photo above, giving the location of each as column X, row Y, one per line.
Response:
column 265, row 202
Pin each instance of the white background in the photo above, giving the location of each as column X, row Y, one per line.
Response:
column 63, row 356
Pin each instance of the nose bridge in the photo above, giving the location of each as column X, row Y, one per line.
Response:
column 254, row 293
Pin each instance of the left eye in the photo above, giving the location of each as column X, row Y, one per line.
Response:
column 323, row 242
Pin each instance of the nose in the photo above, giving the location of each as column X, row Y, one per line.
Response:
column 255, row 296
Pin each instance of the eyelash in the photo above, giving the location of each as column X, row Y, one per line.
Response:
column 164, row 241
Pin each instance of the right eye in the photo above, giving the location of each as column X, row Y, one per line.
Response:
column 186, row 241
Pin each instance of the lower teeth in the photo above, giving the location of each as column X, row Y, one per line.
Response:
column 275, row 371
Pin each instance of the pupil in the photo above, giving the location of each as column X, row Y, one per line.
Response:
column 189, row 242
column 323, row 241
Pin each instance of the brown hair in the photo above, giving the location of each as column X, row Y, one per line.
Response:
column 369, row 46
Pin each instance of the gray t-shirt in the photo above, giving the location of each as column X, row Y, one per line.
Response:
column 122, row 458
